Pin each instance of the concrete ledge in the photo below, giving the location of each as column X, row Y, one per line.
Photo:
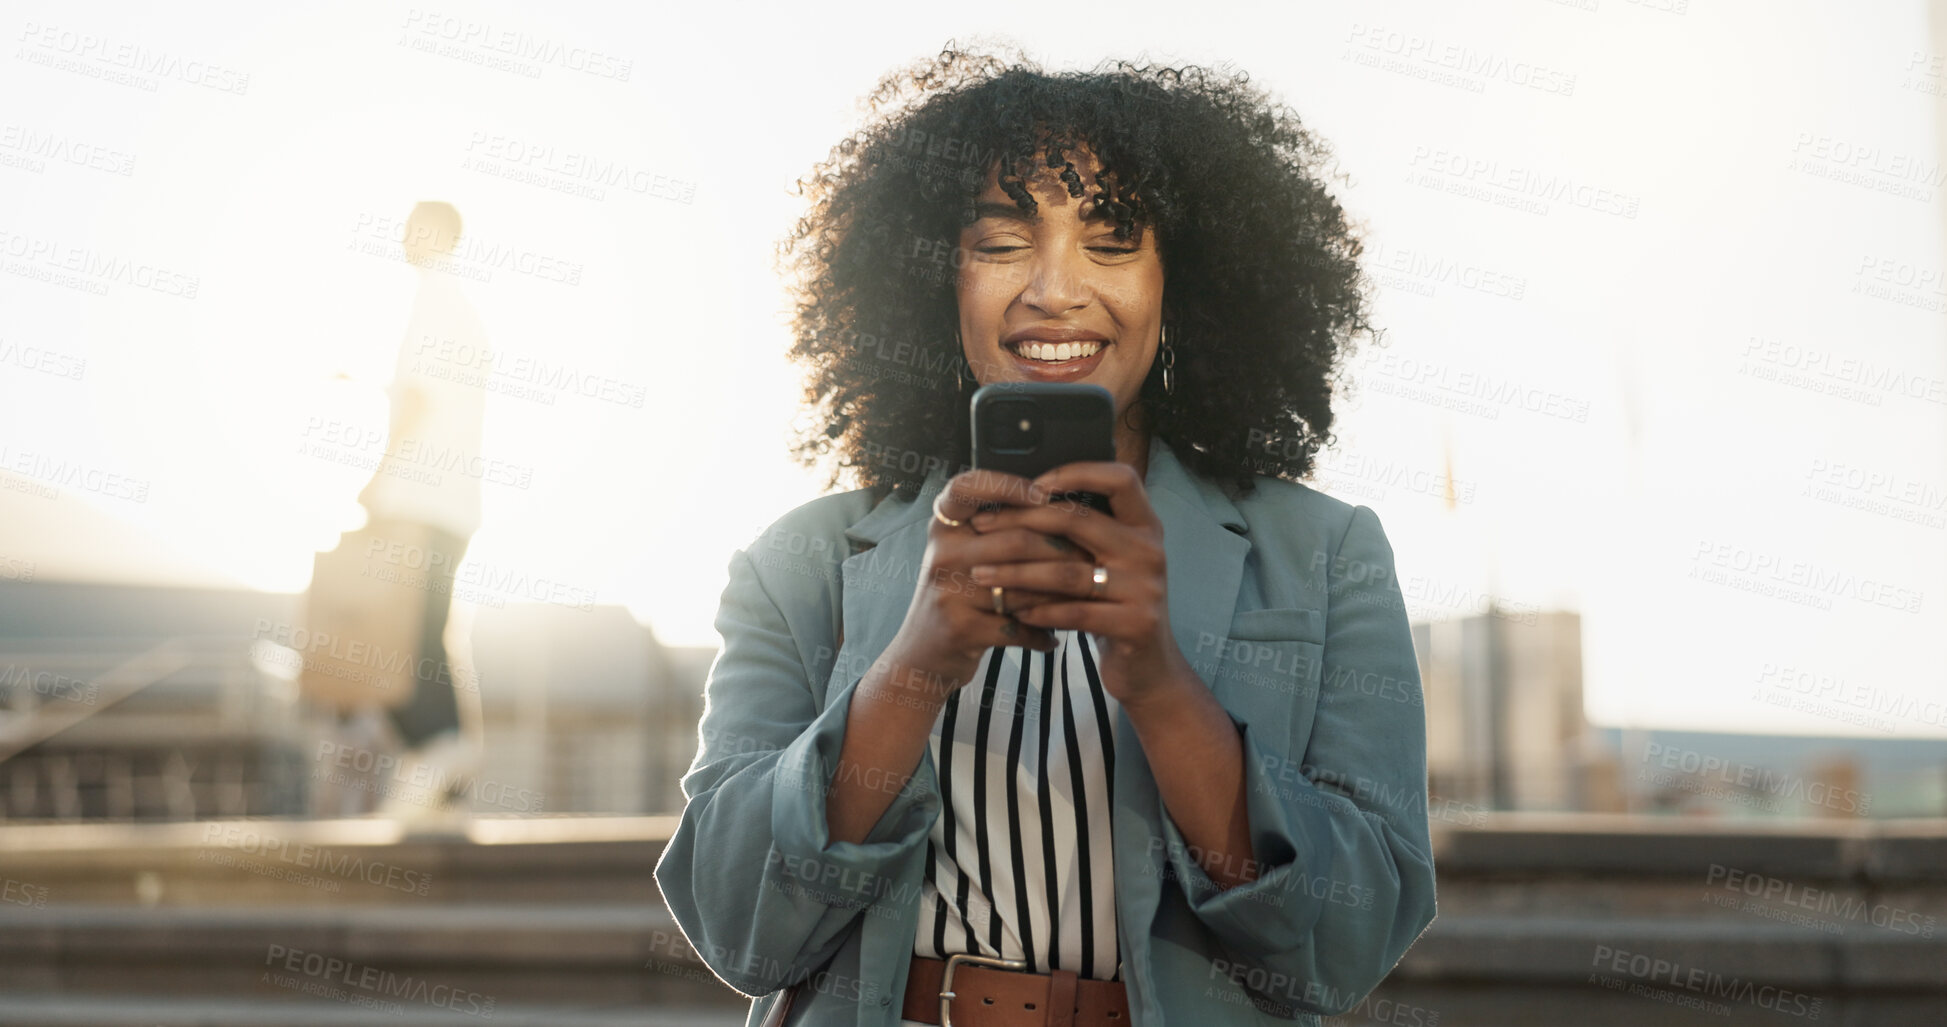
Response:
column 1517, row 949
column 1537, row 843
column 270, row 862
column 60, row 836
column 619, row 954
column 1536, row 910
column 622, row 935
column 1453, row 1004
column 53, row 1010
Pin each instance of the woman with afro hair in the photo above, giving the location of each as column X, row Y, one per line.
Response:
column 974, row 753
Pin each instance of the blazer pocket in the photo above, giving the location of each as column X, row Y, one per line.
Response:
column 1277, row 623
column 1269, row 673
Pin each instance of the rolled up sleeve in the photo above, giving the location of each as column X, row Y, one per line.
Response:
column 1345, row 881
column 751, row 874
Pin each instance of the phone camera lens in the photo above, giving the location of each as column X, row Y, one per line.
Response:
column 1013, row 427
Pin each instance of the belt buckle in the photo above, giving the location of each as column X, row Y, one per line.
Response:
column 955, row 962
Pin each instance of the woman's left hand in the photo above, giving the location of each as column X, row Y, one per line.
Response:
column 1139, row 656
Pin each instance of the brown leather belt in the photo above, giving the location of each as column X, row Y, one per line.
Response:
column 985, row 995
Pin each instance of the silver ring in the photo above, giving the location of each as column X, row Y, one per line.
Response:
column 1000, row 600
column 1101, row 578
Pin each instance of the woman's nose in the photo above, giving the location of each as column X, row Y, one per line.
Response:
column 1055, row 285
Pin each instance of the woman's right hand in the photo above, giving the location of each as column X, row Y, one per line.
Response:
column 951, row 623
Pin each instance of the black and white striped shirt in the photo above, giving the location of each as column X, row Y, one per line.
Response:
column 1021, row 861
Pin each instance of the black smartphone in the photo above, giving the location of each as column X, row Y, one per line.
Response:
column 1030, row 428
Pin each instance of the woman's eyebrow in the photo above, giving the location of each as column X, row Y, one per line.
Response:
column 984, row 209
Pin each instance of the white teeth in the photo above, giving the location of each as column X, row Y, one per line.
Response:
column 1057, row 352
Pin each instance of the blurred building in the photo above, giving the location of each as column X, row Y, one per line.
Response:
column 585, row 708
column 1506, row 731
column 1505, row 726
column 126, row 702
column 1746, row 776
column 143, row 703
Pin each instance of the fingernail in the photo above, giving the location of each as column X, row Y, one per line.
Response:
column 984, row 520
column 982, row 573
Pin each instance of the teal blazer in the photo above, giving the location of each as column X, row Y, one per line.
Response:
column 1286, row 604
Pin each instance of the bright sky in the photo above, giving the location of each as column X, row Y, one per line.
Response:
column 1666, row 278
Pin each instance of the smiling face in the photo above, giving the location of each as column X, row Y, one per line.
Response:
column 1052, row 297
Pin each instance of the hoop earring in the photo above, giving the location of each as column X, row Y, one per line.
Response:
column 959, row 357
column 1169, row 363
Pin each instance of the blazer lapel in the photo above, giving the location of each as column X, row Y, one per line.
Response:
column 879, row 579
column 1204, row 547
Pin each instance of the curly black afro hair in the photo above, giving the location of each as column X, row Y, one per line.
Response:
column 1264, row 294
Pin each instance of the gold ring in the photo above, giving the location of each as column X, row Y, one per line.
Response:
column 1101, row 578
column 1000, row 600
column 943, row 518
